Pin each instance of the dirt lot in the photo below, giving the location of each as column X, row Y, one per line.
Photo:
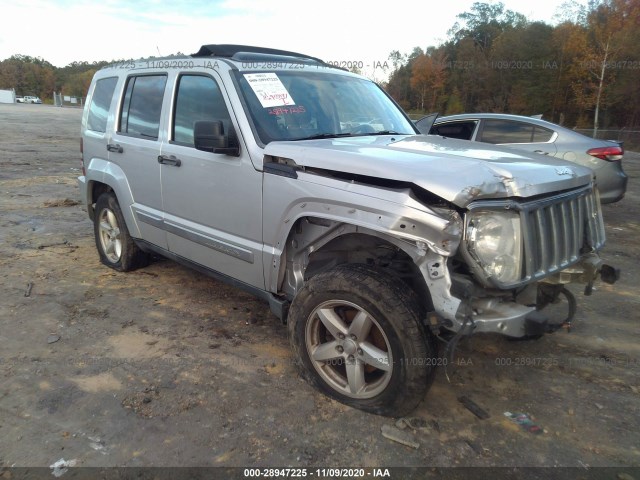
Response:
column 166, row 367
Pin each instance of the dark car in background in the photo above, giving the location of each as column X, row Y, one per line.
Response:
column 604, row 157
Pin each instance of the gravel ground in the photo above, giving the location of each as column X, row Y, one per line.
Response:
column 166, row 367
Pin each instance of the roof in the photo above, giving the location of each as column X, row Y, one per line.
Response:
column 235, row 56
column 501, row 116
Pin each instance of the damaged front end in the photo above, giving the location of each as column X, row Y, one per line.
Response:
column 516, row 257
column 493, row 235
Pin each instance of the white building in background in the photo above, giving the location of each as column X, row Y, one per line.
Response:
column 8, row 96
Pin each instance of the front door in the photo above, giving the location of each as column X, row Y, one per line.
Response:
column 212, row 202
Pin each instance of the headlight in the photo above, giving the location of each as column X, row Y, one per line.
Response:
column 494, row 240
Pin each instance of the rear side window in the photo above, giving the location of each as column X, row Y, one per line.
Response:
column 198, row 98
column 100, row 102
column 142, row 105
column 506, row 131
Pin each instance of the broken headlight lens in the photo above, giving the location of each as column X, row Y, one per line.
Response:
column 494, row 239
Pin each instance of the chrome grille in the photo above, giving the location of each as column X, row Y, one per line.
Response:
column 559, row 230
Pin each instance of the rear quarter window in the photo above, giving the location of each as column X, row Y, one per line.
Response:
column 100, row 102
column 542, row 135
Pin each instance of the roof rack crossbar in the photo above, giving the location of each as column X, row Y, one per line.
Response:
column 228, row 51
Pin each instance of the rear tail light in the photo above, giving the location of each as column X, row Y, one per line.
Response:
column 82, row 156
column 610, row 154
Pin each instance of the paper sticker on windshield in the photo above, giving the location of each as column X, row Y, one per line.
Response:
column 269, row 89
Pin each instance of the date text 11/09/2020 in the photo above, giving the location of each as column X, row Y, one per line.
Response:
column 346, row 64
column 317, row 472
column 601, row 360
column 374, row 65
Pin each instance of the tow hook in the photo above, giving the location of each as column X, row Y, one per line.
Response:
column 609, row 274
column 537, row 322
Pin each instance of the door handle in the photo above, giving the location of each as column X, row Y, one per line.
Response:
column 114, row 147
column 541, row 151
column 169, row 160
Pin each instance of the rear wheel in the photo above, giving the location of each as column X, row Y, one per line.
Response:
column 115, row 246
column 358, row 337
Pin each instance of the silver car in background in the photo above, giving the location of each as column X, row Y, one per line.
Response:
column 604, row 157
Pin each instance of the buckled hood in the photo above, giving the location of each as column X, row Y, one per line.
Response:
column 455, row 170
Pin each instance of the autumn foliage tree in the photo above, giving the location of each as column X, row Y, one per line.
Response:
column 609, row 28
column 27, row 75
column 582, row 72
column 428, row 77
column 35, row 76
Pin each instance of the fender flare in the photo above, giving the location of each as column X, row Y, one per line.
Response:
column 430, row 233
column 110, row 174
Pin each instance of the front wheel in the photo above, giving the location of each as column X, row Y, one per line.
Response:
column 358, row 337
column 115, row 246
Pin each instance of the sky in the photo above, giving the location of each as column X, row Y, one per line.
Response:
column 63, row 31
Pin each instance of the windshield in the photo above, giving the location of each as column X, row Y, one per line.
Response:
column 301, row 105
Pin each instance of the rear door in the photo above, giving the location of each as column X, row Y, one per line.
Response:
column 212, row 202
column 135, row 146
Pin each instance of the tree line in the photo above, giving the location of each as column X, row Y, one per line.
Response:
column 584, row 71
column 35, row 76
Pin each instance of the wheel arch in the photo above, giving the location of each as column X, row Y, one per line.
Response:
column 316, row 244
column 389, row 255
column 104, row 176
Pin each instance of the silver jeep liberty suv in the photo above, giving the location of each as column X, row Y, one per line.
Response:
column 309, row 187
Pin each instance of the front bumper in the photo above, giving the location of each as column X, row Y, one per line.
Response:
column 521, row 317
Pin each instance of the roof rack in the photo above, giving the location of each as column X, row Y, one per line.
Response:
column 229, row 51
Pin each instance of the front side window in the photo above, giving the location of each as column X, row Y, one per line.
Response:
column 142, row 105
column 198, row 98
column 298, row 105
column 100, row 102
column 461, row 130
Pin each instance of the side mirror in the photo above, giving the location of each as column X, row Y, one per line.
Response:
column 209, row 136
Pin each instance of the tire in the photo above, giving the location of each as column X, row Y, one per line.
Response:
column 115, row 246
column 357, row 336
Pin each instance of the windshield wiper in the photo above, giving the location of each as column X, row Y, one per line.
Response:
column 388, row 132
column 338, row 135
column 323, row 135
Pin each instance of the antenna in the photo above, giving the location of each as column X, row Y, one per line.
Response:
column 158, row 48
